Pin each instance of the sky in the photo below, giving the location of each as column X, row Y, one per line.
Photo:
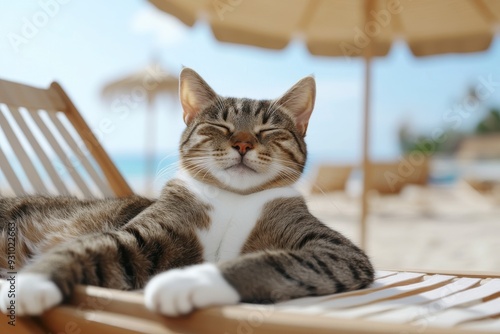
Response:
column 86, row 44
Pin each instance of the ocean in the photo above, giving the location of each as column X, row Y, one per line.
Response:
column 443, row 170
column 149, row 181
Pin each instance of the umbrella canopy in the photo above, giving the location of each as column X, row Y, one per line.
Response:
column 144, row 86
column 148, row 82
column 346, row 27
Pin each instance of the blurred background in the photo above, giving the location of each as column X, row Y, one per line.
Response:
column 434, row 140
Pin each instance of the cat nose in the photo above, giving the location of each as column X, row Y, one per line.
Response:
column 242, row 147
column 243, row 142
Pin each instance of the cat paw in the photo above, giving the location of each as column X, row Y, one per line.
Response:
column 32, row 294
column 180, row 291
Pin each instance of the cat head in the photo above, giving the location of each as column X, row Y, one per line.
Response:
column 244, row 145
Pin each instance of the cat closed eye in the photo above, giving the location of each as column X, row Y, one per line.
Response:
column 264, row 132
column 224, row 128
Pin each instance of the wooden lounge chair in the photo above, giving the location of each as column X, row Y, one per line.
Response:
column 398, row 302
column 53, row 151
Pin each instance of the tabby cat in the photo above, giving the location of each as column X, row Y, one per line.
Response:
column 229, row 227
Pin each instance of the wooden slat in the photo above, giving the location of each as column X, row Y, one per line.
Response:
column 461, row 273
column 103, row 187
column 399, row 278
column 22, row 326
column 416, row 299
column 25, row 161
column 56, row 320
column 413, row 312
column 9, row 174
column 54, row 176
column 382, row 283
column 453, row 317
column 476, row 294
column 60, row 153
column 19, row 95
column 377, row 296
column 115, row 179
column 384, row 273
column 489, row 325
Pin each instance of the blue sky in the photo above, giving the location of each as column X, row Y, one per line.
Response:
column 85, row 44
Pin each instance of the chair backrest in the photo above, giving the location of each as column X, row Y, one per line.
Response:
column 331, row 178
column 390, row 178
column 47, row 148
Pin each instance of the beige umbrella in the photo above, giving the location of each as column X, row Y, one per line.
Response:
column 141, row 87
column 348, row 28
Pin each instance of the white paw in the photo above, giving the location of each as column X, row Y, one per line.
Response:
column 28, row 294
column 179, row 291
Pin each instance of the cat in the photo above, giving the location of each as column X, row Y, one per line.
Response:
column 229, row 228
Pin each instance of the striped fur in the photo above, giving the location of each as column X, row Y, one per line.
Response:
column 239, row 161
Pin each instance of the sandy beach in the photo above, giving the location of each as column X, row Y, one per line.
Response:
column 436, row 228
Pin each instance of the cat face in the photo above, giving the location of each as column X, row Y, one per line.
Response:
column 244, row 145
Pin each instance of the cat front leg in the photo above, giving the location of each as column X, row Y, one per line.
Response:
column 94, row 259
column 291, row 254
column 274, row 276
column 123, row 260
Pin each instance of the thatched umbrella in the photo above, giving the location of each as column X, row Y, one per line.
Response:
column 348, row 28
column 141, row 87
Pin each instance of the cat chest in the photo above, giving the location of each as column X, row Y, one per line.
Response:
column 230, row 226
column 232, row 220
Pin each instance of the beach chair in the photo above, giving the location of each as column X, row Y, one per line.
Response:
column 47, row 148
column 398, row 301
column 330, row 177
column 391, row 177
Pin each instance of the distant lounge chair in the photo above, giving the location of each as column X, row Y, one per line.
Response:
column 398, row 302
column 486, row 146
column 391, row 178
column 385, row 178
column 331, row 177
column 473, row 150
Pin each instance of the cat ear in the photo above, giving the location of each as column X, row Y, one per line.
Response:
column 298, row 102
column 195, row 94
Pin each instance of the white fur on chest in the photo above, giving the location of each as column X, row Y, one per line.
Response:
column 232, row 217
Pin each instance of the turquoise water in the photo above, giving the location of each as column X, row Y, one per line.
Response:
column 443, row 171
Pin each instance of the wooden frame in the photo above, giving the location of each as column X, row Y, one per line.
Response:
column 99, row 310
column 53, row 100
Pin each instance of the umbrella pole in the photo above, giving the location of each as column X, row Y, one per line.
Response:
column 150, row 146
column 366, row 151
